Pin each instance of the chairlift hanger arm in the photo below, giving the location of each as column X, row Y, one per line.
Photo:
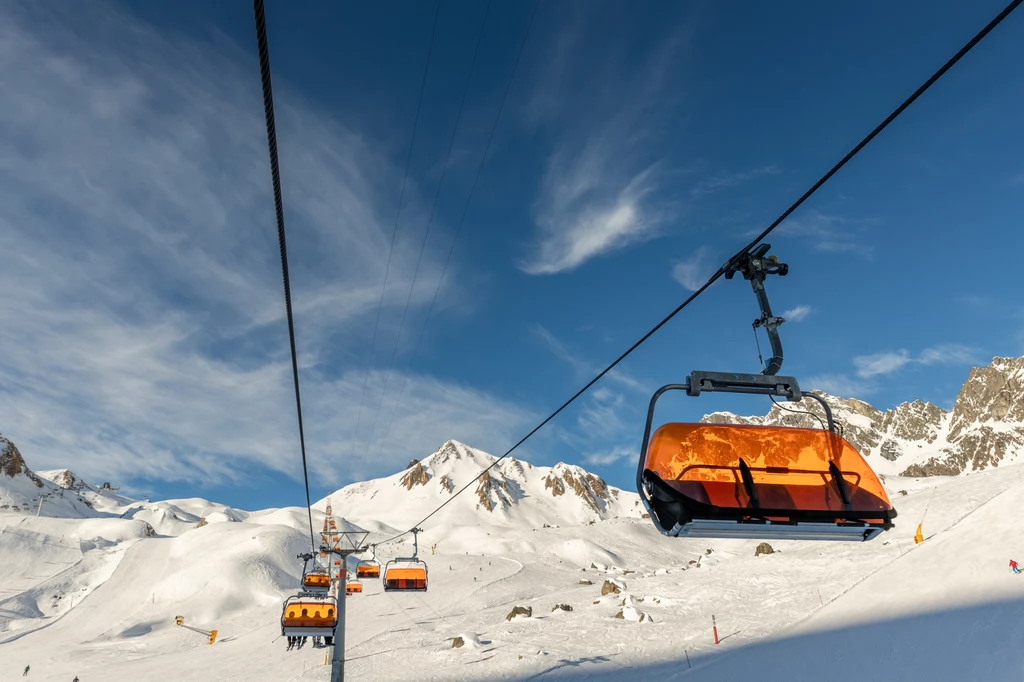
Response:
column 754, row 265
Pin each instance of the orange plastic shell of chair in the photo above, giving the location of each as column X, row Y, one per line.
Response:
column 315, row 614
column 406, row 578
column 367, row 571
column 789, row 467
column 317, row 580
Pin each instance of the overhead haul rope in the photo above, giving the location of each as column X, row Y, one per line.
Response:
column 394, row 232
column 462, row 220
column 275, row 175
column 742, row 252
column 430, row 219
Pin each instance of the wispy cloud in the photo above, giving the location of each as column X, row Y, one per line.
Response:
column 868, row 368
column 603, row 415
column 578, row 230
column 890, row 361
column 694, row 271
column 599, row 190
column 142, row 321
column 881, row 363
column 723, row 181
column 839, row 385
column 798, row 313
column 991, row 306
column 585, row 369
column 622, row 453
column 829, row 233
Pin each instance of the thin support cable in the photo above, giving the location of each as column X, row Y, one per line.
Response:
column 275, row 176
column 430, row 220
column 394, row 232
column 462, row 219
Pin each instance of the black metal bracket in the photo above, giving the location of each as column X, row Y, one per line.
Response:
column 755, row 384
column 754, row 265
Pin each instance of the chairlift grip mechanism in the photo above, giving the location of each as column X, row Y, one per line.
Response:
column 754, row 265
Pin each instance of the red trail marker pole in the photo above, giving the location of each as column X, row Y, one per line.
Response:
column 714, row 627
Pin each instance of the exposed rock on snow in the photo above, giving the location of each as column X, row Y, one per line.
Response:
column 634, row 615
column 415, row 475
column 612, row 587
column 561, row 607
column 588, row 487
column 66, row 479
column 458, row 643
column 493, row 488
column 12, row 464
column 520, row 611
column 763, row 548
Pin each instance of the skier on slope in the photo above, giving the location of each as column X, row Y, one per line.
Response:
column 26, row 671
column 1013, row 566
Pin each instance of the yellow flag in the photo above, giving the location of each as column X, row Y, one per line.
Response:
column 918, row 536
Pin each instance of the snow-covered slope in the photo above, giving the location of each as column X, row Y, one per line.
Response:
column 607, row 597
column 984, row 429
column 513, row 493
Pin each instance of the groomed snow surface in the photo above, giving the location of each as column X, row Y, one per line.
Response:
column 96, row 597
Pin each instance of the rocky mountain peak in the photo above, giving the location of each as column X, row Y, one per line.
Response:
column 13, row 464
column 65, row 478
column 590, row 488
column 990, row 394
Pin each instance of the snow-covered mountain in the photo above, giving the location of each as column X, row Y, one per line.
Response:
column 984, row 429
column 512, row 493
column 22, row 490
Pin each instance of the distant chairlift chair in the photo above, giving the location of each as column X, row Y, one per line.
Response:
column 369, row 568
column 407, row 574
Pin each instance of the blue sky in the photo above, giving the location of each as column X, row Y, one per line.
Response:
column 142, row 322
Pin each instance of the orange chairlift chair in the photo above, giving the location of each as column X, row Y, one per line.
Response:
column 306, row 615
column 407, row 574
column 312, row 612
column 754, row 481
column 316, row 579
column 369, row 568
